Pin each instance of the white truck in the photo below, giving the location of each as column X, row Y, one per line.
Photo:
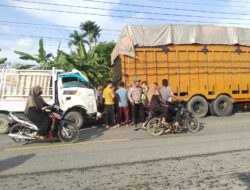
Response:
column 72, row 91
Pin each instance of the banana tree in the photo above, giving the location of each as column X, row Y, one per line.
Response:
column 87, row 62
column 2, row 60
column 23, row 66
column 42, row 58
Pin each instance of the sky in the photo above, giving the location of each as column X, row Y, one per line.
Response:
column 48, row 18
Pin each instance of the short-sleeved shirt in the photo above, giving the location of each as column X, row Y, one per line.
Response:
column 166, row 93
column 107, row 95
column 122, row 95
column 135, row 94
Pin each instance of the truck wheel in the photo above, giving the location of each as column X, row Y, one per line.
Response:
column 4, row 120
column 76, row 117
column 222, row 106
column 198, row 106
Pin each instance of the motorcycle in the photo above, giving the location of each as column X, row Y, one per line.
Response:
column 182, row 120
column 23, row 131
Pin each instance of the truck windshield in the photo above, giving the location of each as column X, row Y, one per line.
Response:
column 70, row 82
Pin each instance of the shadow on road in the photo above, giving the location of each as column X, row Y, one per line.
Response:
column 202, row 126
column 245, row 178
column 91, row 133
column 13, row 162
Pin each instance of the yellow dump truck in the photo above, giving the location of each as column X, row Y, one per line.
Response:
column 208, row 66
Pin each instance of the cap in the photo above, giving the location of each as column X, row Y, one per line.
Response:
column 137, row 80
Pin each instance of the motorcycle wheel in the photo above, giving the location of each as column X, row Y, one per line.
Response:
column 68, row 133
column 193, row 125
column 20, row 130
column 154, row 128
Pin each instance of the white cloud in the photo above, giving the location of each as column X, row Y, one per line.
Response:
column 5, row 29
column 238, row 20
column 4, row 46
column 25, row 43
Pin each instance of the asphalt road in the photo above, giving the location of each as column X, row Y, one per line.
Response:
column 218, row 157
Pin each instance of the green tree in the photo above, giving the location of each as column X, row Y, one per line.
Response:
column 86, row 62
column 61, row 61
column 91, row 31
column 75, row 38
column 2, row 60
column 104, row 51
column 42, row 58
column 94, row 63
column 23, row 66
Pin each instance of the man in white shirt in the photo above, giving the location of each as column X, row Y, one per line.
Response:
column 166, row 94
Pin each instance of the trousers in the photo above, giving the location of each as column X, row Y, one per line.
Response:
column 110, row 114
column 138, row 113
column 123, row 114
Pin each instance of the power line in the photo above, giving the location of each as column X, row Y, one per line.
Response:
column 120, row 16
column 36, row 27
column 10, row 38
column 137, row 12
column 45, row 28
column 193, row 3
column 234, row 1
column 36, row 24
column 37, row 37
column 49, row 25
column 167, row 8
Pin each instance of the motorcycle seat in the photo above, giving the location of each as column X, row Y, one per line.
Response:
column 23, row 117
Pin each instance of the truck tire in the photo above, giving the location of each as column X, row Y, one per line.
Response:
column 76, row 117
column 4, row 120
column 198, row 106
column 222, row 106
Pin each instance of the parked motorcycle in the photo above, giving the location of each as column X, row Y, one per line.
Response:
column 181, row 121
column 23, row 130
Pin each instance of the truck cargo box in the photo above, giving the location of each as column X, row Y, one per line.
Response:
column 15, row 86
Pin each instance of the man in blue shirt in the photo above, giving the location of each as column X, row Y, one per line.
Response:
column 122, row 95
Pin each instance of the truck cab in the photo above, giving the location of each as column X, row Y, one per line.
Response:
column 76, row 96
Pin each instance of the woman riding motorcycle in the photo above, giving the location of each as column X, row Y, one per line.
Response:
column 35, row 111
column 156, row 103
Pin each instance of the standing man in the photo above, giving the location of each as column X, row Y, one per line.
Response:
column 134, row 96
column 108, row 95
column 122, row 95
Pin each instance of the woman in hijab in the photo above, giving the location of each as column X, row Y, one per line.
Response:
column 156, row 104
column 35, row 111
